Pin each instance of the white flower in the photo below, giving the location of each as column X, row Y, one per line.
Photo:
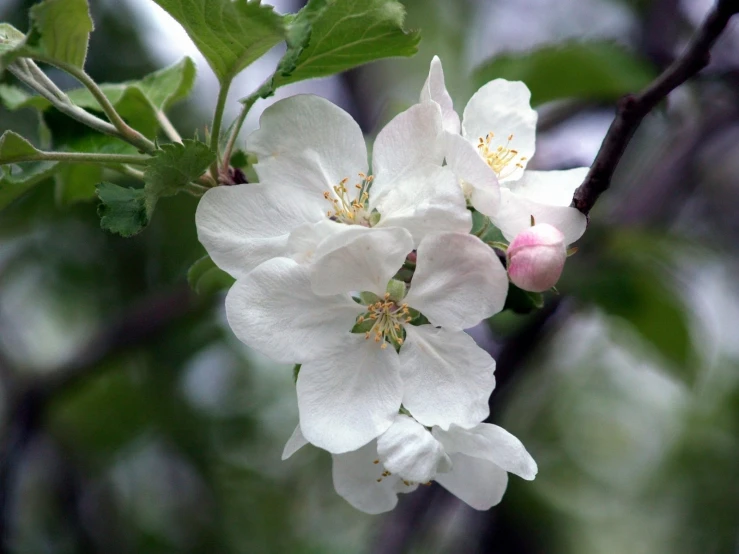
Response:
column 472, row 464
column 351, row 385
column 536, row 258
column 498, row 128
column 313, row 168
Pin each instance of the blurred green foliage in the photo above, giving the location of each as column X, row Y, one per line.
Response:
column 630, row 406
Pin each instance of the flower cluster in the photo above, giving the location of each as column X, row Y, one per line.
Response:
column 367, row 279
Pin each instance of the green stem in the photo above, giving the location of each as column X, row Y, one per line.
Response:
column 246, row 106
column 499, row 245
column 168, row 128
column 215, row 130
column 35, row 71
column 127, row 133
column 195, row 190
column 79, row 158
column 64, row 106
column 484, row 229
column 131, row 172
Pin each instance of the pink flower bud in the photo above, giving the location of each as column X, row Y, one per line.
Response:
column 536, row 258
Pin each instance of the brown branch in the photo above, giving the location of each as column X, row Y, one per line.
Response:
column 634, row 107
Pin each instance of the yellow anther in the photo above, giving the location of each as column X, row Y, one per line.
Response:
column 379, row 480
column 383, row 345
column 499, row 157
column 376, row 462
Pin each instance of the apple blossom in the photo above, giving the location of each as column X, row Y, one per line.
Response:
column 472, row 464
column 536, row 258
column 498, row 128
column 351, row 384
column 313, row 169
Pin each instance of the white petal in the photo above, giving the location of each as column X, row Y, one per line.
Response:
column 308, row 142
column 412, row 138
column 294, row 443
column 476, row 175
column 554, row 188
column 304, row 240
column 515, row 214
column 434, row 89
column 409, row 450
column 479, row 483
column 274, row 310
column 359, row 481
column 447, row 378
column 242, row 226
column 349, row 397
column 426, row 200
column 458, row 281
column 503, row 108
column 360, row 259
column 491, row 443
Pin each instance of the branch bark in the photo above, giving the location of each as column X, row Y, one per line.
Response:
column 634, row 107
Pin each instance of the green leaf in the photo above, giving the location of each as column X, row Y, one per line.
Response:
column 583, row 70
column 60, row 29
column 521, row 301
column 14, row 147
column 299, row 29
column 169, row 85
column 175, row 165
column 15, row 98
column 16, row 181
column 330, row 36
column 206, row 278
column 11, row 40
column 229, row 34
column 76, row 183
column 124, row 211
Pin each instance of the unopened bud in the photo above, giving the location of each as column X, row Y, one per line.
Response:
column 536, row 258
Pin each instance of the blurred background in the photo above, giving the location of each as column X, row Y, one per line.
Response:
column 134, row 421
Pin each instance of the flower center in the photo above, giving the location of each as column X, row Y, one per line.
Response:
column 389, row 318
column 348, row 210
column 501, row 157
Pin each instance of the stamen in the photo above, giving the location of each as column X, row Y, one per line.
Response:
column 501, row 157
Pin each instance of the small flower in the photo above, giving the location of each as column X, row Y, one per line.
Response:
column 498, row 129
column 536, row 258
column 313, row 169
column 351, row 384
column 472, row 464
